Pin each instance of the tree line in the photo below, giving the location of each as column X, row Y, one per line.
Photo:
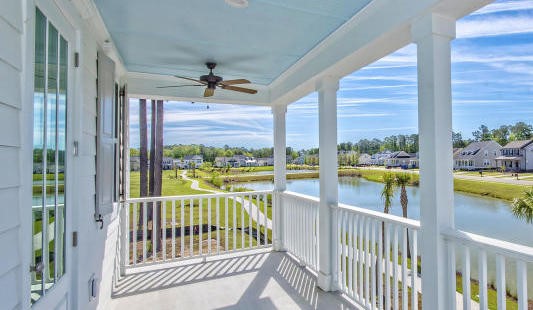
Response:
column 408, row 143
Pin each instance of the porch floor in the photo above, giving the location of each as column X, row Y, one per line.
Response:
column 259, row 279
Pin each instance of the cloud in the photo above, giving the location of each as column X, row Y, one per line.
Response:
column 494, row 26
column 499, row 7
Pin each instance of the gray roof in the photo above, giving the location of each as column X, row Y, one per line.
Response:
column 518, row 144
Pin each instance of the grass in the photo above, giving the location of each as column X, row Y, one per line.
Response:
column 492, row 298
column 172, row 186
column 490, row 189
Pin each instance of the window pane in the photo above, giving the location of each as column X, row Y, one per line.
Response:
column 38, row 145
column 51, row 152
column 61, row 147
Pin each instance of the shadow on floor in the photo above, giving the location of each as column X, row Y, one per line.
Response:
column 276, row 281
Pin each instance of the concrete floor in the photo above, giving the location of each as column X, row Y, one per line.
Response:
column 250, row 280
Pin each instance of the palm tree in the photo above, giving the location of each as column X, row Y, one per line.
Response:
column 388, row 191
column 523, row 206
column 143, row 156
column 158, row 177
column 402, row 179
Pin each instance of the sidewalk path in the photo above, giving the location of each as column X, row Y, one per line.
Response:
column 249, row 207
column 458, row 175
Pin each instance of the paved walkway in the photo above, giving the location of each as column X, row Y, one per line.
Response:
column 249, row 207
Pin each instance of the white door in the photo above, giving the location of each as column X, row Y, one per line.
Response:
column 54, row 39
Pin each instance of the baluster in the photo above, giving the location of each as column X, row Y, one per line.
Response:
column 154, row 230
column 241, row 199
column 405, row 300
column 395, row 267
column 145, row 230
column 373, row 264
column 200, row 226
column 360, row 251
column 173, row 229
column 483, row 297
column 164, row 229
column 235, row 224
column 500, row 281
column 265, row 219
column 349, row 291
column 342, row 244
column 182, row 236
column 226, row 226
column 257, row 221
column 191, row 228
column 367, row 262
column 338, row 240
column 380, row 265
column 466, row 278
column 209, row 226
column 414, row 272
column 217, row 213
column 250, row 217
column 387, row 267
column 135, row 221
column 521, row 284
column 355, row 261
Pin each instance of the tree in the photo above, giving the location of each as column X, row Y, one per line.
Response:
column 158, row 176
column 482, row 134
column 523, row 206
column 501, row 135
column 402, row 180
column 521, row 131
column 388, row 191
column 457, row 140
column 143, row 154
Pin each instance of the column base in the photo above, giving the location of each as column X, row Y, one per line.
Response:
column 325, row 282
column 278, row 246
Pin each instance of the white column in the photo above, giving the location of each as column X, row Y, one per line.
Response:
column 327, row 118
column 433, row 34
column 280, row 171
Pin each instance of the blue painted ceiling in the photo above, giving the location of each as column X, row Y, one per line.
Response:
column 259, row 42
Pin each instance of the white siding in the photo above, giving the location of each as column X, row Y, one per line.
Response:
column 10, row 113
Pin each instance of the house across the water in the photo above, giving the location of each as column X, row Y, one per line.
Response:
column 516, row 156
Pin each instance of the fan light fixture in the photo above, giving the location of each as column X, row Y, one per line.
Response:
column 237, row 3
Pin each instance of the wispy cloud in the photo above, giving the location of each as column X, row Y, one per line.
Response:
column 494, row 26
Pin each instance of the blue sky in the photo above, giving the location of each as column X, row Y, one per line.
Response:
column 492, row 84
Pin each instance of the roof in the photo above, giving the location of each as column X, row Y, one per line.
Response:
column 190, row 157
column 400, row 154
column 474, row 147
column 508, row 158
column 518, row 144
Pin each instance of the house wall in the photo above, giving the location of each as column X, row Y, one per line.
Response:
column 95, row 254
column 11, row 77
column 528, row 157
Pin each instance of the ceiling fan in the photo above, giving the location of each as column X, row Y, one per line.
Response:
column 212, row 81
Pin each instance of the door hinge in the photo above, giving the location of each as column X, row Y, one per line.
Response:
column 76, row 60
column 74, row 239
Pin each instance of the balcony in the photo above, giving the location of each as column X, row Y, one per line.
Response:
column 220, row 251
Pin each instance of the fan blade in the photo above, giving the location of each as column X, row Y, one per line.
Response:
column 190, row 79
column 178, row 86
column 234, row 82
column 209, row 92
column 240, row 89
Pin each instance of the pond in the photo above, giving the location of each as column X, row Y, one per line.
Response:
column 480, row 215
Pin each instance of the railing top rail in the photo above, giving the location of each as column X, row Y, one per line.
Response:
column 308, row 198
column 509, row 249
column 389, row 218
column 182, row 197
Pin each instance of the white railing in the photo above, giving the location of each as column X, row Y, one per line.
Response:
column 499, row 255
column 300, row 226
column 193, row 226
column 367, row 257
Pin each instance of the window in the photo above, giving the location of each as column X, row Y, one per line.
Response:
column 49, row 142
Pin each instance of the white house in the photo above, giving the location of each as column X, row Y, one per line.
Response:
column 265, row 161
column 398, row 159
column 365, row 159
column 69, row 69
column 516, row 156
column 477, row 155
column 379, row 159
